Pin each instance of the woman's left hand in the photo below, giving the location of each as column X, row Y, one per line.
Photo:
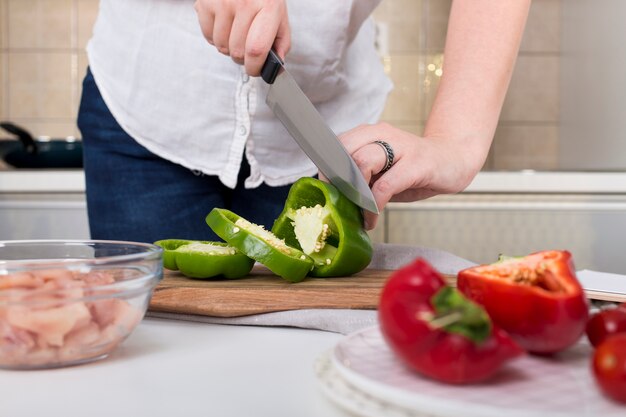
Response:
column 422, row 166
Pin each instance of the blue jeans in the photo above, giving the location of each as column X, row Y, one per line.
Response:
column 133, row 194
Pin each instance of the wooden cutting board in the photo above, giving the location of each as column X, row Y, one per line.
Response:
column 264, row 292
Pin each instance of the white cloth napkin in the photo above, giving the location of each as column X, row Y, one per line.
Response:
column 386, row 256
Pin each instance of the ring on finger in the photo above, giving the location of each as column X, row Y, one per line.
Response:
column 389, row 155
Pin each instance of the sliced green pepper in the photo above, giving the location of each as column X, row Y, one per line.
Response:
column 327, row 226
column 260, row 244
column 202, row 259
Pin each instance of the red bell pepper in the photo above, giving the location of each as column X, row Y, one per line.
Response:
column 536, row 299
column 438, row 332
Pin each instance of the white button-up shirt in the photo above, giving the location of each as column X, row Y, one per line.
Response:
column 178, row 97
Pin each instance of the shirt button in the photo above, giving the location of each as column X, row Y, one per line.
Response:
column 242, row 130
column 246, row 78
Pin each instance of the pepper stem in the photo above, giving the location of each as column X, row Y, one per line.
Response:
column 456, row 314
column 442, row 320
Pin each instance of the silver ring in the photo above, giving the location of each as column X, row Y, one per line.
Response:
column 388, row 154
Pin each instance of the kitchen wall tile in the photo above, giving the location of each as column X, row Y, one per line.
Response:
column 542, row 32
column 435, row 24
column 83, row 62
column 41, row 85
column 533, row 94
column 378, row 234
column 414, row 128
column 61, row 128
column 3, row 24
column 534, row 91
column 3, row 85
column 80, row 75
column 489, row 161
column 404, row 102
column 543, row 28
column 526, row 147
column 402, row 20
column 45, row 24
column 433, row 69
column 87, row 11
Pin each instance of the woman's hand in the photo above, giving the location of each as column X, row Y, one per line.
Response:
column 422, row 166
column 481, row 46
column 245, row 30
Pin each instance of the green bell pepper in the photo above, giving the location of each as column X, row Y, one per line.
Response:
column 327, row 226
column 260, row 244
column 202, row 259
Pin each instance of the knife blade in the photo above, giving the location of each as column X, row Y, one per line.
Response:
column 302, row 120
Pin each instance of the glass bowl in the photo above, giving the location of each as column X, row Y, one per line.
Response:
column 68, row 302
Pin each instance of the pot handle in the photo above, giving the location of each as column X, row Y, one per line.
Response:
column 23, row 135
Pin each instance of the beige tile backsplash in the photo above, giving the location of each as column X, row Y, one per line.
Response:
column 436, row 24
column 403, row 21
column 3, row 24
column 3, row 96
column 41, row 24
column 543, row 32
column 533, row 95
column 42, row 63
column 527, row 137
column 86, row 13
column 41, row 85
column 405, row 101
column 41, row 46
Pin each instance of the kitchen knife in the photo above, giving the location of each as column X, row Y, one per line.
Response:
column 317, row 140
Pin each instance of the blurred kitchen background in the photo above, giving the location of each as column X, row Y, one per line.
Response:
column 553, row 179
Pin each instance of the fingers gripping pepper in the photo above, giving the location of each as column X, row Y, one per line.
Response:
column 327, row 226
column 536, row 299
column 260, row 245
column 436, row 331
column 201, row 259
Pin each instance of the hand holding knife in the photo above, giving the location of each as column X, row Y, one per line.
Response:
column 317, row 140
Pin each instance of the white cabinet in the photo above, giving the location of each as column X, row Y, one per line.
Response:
column 505, row 212
column 43, row 216
column 479, row 227
column 42, row 204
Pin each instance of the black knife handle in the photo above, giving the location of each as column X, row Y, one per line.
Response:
column 270, row 68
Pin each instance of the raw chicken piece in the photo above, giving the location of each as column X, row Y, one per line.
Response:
column 54, row 274
column 20, row 280
column 51, row 324
column 98, row 278
column 103, row 311
column 82, row 337
column 43, row 321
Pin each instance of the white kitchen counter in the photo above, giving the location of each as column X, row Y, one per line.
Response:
column 72, row 181
column 173, row 368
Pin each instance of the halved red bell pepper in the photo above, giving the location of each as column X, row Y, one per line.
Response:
column 438, row 332
column 536, row 299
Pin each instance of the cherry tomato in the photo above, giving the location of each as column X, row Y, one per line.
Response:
column 609, row 367
column 606, row 323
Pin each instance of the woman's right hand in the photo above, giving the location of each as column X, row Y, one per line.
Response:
column 245, row 30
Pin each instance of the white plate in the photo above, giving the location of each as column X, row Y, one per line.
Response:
column 350, row 398
column 529, row 386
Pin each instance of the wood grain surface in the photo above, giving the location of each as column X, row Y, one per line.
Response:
column 264, row 292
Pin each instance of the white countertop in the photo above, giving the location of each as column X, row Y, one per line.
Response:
column 174, row 368
column 72, row 181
